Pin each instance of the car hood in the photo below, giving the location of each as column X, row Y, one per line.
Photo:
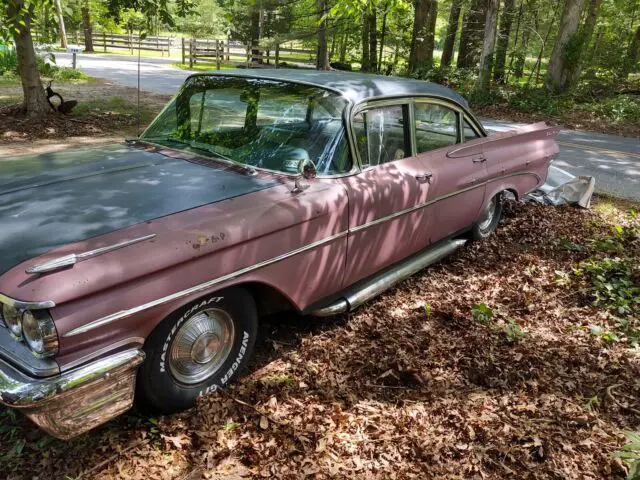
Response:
column 65, row 197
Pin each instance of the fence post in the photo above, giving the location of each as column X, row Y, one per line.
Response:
column 104, row 41
column 183, row 59
column 218, row 54
column 248, row 55
column 228, row 49
column 277, row 55
column 191, row 45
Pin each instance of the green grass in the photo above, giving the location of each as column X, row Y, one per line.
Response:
column 204, row 66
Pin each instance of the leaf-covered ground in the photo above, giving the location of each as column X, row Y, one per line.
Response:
column 542, row 389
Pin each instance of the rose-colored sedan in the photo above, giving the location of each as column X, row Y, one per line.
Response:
column 142, row 268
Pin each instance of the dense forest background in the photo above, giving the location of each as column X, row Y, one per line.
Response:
column 494, row 51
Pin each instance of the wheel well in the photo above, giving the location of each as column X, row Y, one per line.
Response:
column 268, row 299
column 513, row 192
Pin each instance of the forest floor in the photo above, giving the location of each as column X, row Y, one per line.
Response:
column 573, row 119
column 494, row 363
column 106, row 113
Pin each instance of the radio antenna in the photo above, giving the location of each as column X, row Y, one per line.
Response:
column 138, row 106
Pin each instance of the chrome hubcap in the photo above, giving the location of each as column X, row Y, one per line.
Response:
column 201, row 346
column 487, row 215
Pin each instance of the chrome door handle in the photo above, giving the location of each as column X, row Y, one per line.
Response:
column 424, row 176
column 480, row 159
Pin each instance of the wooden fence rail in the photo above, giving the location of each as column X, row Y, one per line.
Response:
column 106, row 40
column 196, row 50
column 218, row 51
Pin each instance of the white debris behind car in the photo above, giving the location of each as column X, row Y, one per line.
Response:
column 562, row 187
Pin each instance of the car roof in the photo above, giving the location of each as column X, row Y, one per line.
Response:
column 357, row 87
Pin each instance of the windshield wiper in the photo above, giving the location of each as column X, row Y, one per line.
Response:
column 193, row 144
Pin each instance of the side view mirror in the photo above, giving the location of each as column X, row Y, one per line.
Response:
column 307, row 169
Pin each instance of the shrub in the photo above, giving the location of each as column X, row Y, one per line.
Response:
column 481, row 313
column 8, row 61
column 513, row 331
column 630, row 454
column 612, row 283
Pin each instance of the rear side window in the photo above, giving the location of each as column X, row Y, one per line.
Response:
column 436, row 126
column 381, row 136
column 469, row 132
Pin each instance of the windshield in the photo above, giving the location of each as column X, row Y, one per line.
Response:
column 256, row 122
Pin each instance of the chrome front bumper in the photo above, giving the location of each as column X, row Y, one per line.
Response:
column 71, row 403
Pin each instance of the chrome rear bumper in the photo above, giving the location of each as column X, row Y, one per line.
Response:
column 69, row 404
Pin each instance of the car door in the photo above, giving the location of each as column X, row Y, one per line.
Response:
column 386, row 223
column 457, row 167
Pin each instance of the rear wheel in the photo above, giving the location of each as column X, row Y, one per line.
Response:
column 489, row 219
column 197, row 349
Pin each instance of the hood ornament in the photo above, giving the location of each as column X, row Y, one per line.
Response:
column 73, row 258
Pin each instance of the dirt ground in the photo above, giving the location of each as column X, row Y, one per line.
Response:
column 106, row 113
column 411, row 385
column 572, row 121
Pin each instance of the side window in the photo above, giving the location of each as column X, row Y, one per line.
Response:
column 217, row 110
column 469, row 132
column 436, row 126
column 381, row 136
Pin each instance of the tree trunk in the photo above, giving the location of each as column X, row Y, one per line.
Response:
column 586, row 32
column 515, row 41
column 86, row 25
column 344, row 40
column 365, row 42
column 471, row 35
column 35, row 101
column 373, row 40
column 452, row 31
column 536, row 67
column 506, row 20
column 63, row 31
column 422, row 39
column 483, row 81
column 256, row 33
column 322, row 62
column 383, row 33
column 631, row 59
column 563, row 58
column 520, row 54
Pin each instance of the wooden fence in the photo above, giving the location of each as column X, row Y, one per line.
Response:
column 104, row 40
column 196, row 50
column 219, row 51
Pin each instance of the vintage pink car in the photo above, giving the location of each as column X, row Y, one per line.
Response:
column 141, row 269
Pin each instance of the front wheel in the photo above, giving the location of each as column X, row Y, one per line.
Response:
column 197, row 349
column 489, row 219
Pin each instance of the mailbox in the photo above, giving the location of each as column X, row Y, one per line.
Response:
column 74, row 49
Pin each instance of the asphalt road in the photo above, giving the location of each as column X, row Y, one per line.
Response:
column 613, row 161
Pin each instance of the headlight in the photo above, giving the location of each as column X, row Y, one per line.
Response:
column 40, row 333
column 13, row 320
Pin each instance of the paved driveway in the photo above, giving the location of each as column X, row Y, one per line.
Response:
column 613, row 161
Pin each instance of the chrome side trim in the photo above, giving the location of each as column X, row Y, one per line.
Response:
column 395, row 215
column 380, row 220
column 20, row 305
column 73, row 258
column 133, row 341
column 203, row 286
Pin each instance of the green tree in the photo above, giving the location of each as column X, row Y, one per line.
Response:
column 18, row 15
